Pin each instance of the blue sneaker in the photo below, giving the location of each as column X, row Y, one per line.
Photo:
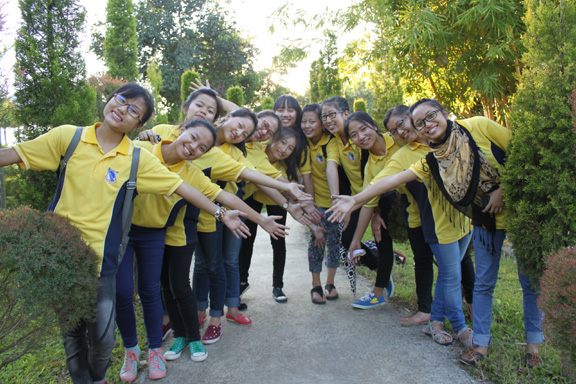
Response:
column 390, row 288
column 369, row 300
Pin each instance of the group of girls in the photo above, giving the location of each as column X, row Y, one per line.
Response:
column 450, row 172
column 167, row 231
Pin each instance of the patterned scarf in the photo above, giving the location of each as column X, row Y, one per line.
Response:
column 459, row 168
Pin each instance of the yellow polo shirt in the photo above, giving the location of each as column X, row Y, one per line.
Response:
column 93, row 193
column 351, row 161
column 318, row 162
column 376, row 163
column 179, row 217
column 259, row 159
column 261, row 196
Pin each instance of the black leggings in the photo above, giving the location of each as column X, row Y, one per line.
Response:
column 278, row 246
column 177, row 293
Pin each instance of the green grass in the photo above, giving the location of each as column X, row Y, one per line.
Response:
column 506, row 361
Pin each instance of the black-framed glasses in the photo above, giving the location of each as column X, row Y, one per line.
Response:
column 429, row 116
column 131, row 110
column 330, row 115
column 399, row 126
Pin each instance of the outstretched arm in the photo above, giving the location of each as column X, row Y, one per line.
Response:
column 8, row 156
column 348, row 204
column 293, row 189
column 269, row 223
column 227, row 105
column 231, row 219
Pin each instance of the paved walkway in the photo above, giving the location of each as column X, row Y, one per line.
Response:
column 300, row 342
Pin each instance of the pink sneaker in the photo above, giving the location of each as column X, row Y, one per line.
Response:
column 156, row 364
column 212, row 334
column 240, row 319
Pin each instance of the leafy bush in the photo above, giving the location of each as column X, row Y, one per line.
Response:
column 558, row 301
column 236, row 95
column 48, row 276
column 267, row 103
column 186, row 89
column 360, row 105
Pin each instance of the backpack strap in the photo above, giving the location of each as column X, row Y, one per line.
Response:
column 128, row 206
column 71, row 147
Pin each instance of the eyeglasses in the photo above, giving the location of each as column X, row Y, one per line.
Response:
column 399, row 126
column 330, row 115
column 131, row 110
column 429, row 116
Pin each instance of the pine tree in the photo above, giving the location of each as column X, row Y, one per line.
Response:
column 121, row 42
column 540, row 179
column 49, row 78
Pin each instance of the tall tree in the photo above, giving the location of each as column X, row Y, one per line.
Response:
column 192, row 34
column 540, row 182
column 49, row 78
column 324, row 72
column 121, row 42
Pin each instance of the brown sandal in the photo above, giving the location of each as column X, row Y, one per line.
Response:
column 320, row 292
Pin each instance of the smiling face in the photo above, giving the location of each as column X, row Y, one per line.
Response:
column 118, row 117
column 311, row 125
column 400, row 126
column 362, row 134
column 287, row 115
column 281, row 148
column 193, row 142
column 333, row 119
column 432, row 122
column 236, row 129
column 267, row 127
column 202, row 107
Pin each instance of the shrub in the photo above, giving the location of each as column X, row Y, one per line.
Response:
column 185, row 90
column 360, row 105
column 48, row 276
column 267, row 103
column 236, row 95
column 558, row 301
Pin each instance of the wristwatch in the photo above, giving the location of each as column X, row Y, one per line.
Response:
column 285, row 205
column 220, row 213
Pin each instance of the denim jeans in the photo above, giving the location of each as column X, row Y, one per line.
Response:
column 177, row 293
column 423, row 268
column 487, row 252
column 146, row 245
column 448, row 294
column 230, row 253
column 89, row 346
column 209, row 274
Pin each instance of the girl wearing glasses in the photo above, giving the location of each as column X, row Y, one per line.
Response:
column 363, row 131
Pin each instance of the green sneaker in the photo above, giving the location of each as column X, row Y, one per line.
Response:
column 197, row 351
column 176, row 348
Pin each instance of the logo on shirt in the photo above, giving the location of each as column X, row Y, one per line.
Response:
column 111, row 176
column 319, row 158
column 351, row 156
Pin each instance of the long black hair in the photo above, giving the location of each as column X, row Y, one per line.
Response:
column 287, row 101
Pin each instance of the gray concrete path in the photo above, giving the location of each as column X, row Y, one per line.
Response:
column 300, row 342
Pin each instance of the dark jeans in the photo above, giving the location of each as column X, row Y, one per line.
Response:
column 278, row 246
column 468, row 276
column 209, row 274
column 146, row 245
column 385, row 260
column 177, row 293
column 89, row 346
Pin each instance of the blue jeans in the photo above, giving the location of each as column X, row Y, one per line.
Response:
column 148, row 246
column 209, row 274
column 89, row 346
column 230, row 254
column 448, row 294
column 487, row 266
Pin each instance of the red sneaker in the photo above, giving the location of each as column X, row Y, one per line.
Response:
column 240, row 318
column 166, row 330
column 201, row 320
column 212, row 334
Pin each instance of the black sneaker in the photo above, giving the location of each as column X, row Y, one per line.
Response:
column 279, row 296
column 244, row 288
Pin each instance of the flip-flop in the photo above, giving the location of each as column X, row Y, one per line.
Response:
column 320, row 292
column 329, row 288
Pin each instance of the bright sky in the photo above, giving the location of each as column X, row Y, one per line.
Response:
column 252, row 18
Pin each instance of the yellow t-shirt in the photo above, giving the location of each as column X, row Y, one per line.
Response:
column 261, row 196
column 93, row 193
column 318, row 162
column 375, row 164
